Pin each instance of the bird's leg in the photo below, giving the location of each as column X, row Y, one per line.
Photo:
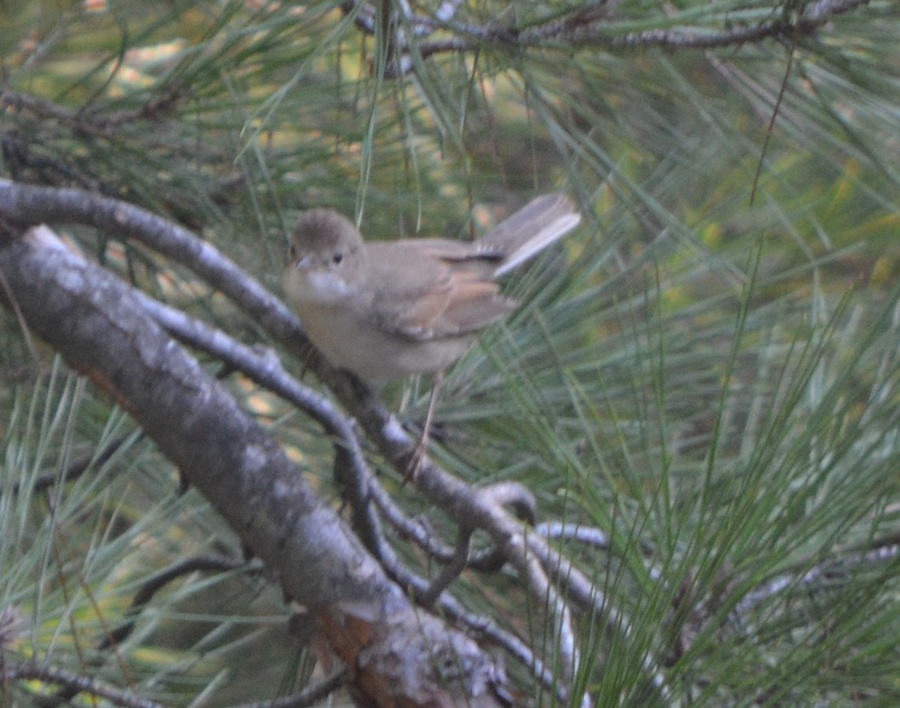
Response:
column 418, row 454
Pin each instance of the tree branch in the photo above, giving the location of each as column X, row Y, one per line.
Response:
column 498, row 510
column 591, row 26
column 102, row 330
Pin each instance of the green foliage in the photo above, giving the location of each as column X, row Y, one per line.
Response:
column 711, row 380
column 84, row 532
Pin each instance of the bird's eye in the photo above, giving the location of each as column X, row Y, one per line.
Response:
column 337, row 257
column 292, row 252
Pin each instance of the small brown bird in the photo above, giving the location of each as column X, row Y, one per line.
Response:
column 386, row 310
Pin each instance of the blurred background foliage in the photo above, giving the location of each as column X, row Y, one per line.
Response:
column 707, row 370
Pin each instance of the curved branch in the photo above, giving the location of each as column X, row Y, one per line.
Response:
column 29, row 205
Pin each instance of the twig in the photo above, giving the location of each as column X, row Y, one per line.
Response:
column 76, row 468
column 308, row 696
column 152, row 586
column 83, row 121
column 30, row 671
column 452, row 570
column 881, row 551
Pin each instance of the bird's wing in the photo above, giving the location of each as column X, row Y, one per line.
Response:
column 449, row 294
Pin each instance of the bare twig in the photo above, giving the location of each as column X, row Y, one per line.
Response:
column 156, row 583
column 77, row 468
column 877, row 553
column 83, row 121
column 14, row 671
column 308, row 696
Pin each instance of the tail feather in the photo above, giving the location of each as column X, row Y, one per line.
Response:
column 530, row 230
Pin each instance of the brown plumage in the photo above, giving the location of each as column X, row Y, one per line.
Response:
column 389, row 309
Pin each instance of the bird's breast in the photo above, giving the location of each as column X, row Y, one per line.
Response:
column 349, row 340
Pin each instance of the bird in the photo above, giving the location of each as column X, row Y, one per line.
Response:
column 390, row 309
